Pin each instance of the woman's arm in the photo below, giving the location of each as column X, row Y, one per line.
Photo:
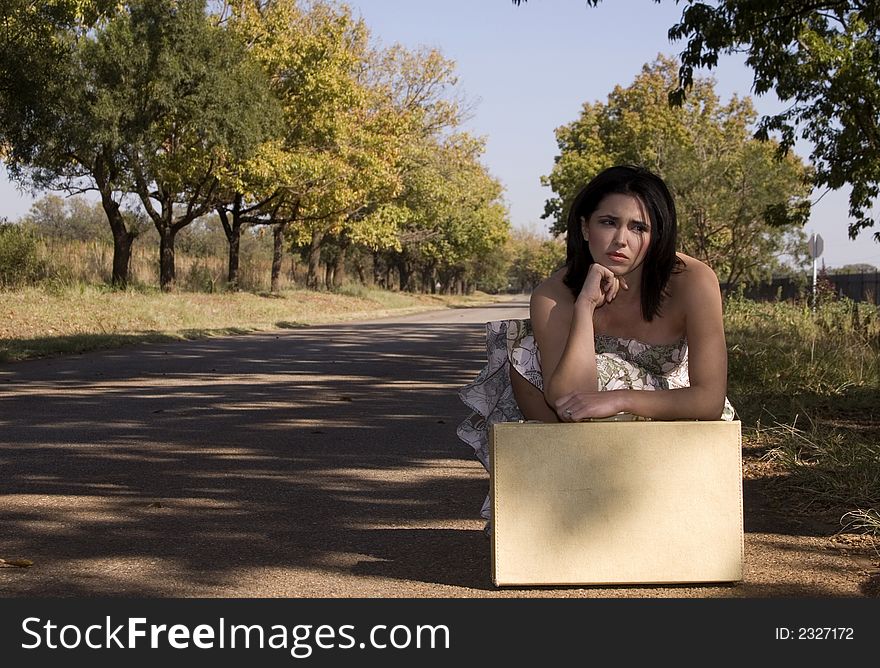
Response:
column 564, row 332
column 700, row 296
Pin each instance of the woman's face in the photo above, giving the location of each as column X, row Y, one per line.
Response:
column 618, row 233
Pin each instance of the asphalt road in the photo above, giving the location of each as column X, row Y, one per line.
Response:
column 312, row 462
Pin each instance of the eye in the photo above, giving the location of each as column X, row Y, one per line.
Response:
column 641, row 228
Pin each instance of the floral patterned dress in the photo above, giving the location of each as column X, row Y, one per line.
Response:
column 621, row 364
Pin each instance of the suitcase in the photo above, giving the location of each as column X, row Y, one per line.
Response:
column 616, row 502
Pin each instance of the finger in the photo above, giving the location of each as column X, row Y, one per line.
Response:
column 603, row 271
column 623, row 283
column 608, row 281
column 615, row 287
column 610, row 290
column 565, row 409
column 561, row 401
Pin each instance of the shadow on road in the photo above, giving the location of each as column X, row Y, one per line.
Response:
column 303, row 449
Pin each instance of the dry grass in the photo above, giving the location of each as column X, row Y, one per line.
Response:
column 806, row 384
column 42, row 321
column 90, row 263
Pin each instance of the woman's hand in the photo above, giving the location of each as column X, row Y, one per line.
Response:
column 600, row 287
column 583, row 405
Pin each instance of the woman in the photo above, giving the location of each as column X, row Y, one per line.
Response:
column 626, row 313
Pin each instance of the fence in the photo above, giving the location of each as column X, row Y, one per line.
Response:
column 858, row 287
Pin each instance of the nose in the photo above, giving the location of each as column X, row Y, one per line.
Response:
column 620, row 235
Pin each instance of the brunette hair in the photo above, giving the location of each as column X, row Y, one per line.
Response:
column 660, row 261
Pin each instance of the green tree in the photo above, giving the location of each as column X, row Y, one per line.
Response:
column 740, row 208
column 302, row 50
column 445, row 224
column 404, row 107
column 19, row 255
column 44, row 74
column 857, row 268
column 820, row 57
column 412, row 105
column 333, row 150
column 195, row 107
column 533, row 258
column 452, row 218
column 73, row 219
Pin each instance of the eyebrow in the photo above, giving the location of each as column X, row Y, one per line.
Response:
column 611, row 216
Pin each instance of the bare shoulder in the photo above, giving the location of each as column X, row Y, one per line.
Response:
column 552, row 292
column 696, row 281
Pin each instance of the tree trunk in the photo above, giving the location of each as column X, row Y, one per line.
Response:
column 122, row 242
column 291, row 275
column 404, row 273
column 166, row 258
column 338, row 276
column 428, row 280
column 233, row 236
column 378, row 277
column 233, row 274
column 122, row 238
column 314, row 259
column 277, row 254
column 361, row 271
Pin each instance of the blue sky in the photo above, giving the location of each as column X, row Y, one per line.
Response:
column 530, row 68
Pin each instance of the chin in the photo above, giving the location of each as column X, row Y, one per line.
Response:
column 617, row 269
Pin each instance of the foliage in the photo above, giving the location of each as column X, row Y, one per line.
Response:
column 277, row 112
column 533, row 259
column 413, row 91
column 857, row 268
column 453, row 215
column 19, row 260
column 821, row 57
column 491, row 272
column 192, row 105
column 38, row 41
column 818, row 56
column 48, row 75
column 330, row 173
column 310, row 57
column 739, row 208
column 73, row 219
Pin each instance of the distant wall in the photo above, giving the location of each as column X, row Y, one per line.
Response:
column 858, row 287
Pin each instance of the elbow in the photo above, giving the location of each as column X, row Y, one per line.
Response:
column 553, row 393
column 551, row 398
column 711, row 410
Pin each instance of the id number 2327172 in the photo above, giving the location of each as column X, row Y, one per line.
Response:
column 814, row 633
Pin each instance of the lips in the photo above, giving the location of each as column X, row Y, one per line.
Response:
column 620, row 257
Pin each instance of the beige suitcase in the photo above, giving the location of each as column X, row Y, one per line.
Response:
column 644, row 502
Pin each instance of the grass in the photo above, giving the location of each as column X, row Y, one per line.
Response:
column 72, row 318
column 806, row 384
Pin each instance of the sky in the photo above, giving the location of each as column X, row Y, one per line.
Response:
column 529, row 69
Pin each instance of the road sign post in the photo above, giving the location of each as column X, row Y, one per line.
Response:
column 816, row 245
